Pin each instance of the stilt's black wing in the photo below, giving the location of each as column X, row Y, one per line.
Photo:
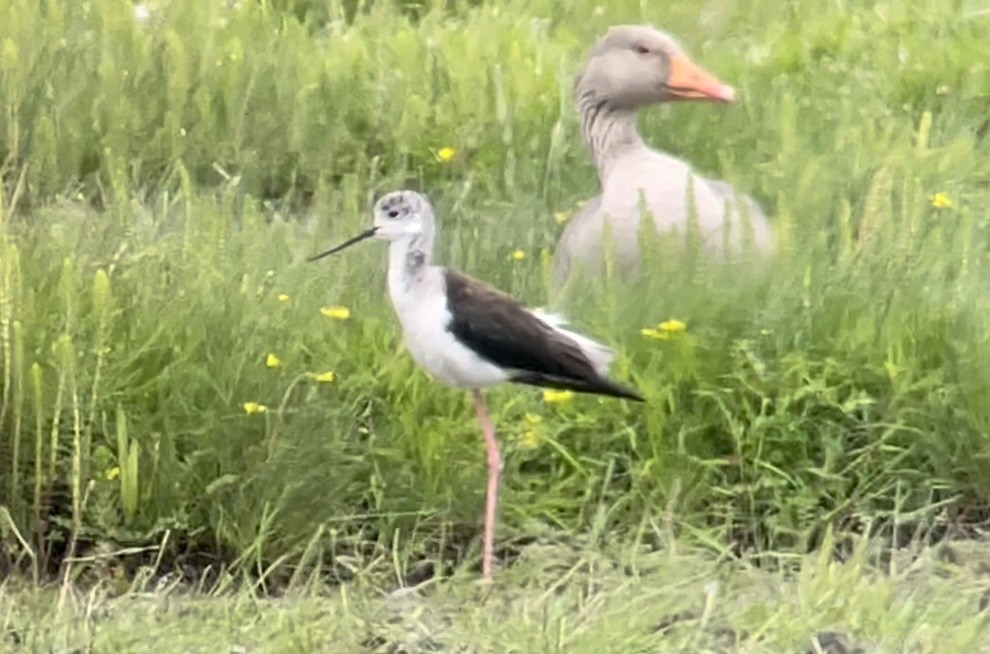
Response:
column 500, row 330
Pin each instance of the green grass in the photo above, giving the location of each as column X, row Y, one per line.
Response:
column 557, row 599
column 163, row 183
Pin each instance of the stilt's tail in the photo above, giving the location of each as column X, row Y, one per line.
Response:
column 597, row 386
column 599, row 356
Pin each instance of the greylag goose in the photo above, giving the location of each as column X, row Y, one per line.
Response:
column 630, row 67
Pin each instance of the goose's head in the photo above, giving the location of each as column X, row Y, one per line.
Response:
column 632, row 66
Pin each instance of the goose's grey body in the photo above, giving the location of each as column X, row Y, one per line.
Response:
column 632, row 67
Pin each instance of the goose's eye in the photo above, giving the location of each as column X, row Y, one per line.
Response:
column 642, row 49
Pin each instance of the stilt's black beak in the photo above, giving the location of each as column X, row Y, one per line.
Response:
column 368, row 233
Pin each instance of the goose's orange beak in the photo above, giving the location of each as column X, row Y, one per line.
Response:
column 688, row 81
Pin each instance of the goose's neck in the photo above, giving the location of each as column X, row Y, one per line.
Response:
column 408, row 260
column 609, row 132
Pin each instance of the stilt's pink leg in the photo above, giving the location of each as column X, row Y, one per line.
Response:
column 494, row 471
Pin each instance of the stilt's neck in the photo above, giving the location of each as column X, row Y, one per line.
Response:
column 609, row 132
column 408, row 259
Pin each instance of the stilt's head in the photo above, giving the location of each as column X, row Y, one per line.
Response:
column 402, row 214
column 398, row 215
column 633, row 66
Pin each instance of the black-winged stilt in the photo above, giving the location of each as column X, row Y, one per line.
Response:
column 467, row 334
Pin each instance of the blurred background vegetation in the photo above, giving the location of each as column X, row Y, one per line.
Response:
column 166, row 168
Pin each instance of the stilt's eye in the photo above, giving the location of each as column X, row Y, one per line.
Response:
column 393, row 213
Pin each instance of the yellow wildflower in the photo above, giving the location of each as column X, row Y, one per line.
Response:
column 664, row 330
column 325, row 377
column 336, row 313
column 252, row 408
column 673, row 325
column 272, row 361
column 557, row 397
column 562, row 217
column 580, row 204
column 283, row 297
column 941, row 201
column 518, row 255
column 446, row 154
column 530, row 440
column 113, row 473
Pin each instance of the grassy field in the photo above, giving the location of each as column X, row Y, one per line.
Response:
column 181, row 392
column 556, row 599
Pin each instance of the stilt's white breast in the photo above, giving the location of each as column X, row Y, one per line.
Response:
column 425, row 318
